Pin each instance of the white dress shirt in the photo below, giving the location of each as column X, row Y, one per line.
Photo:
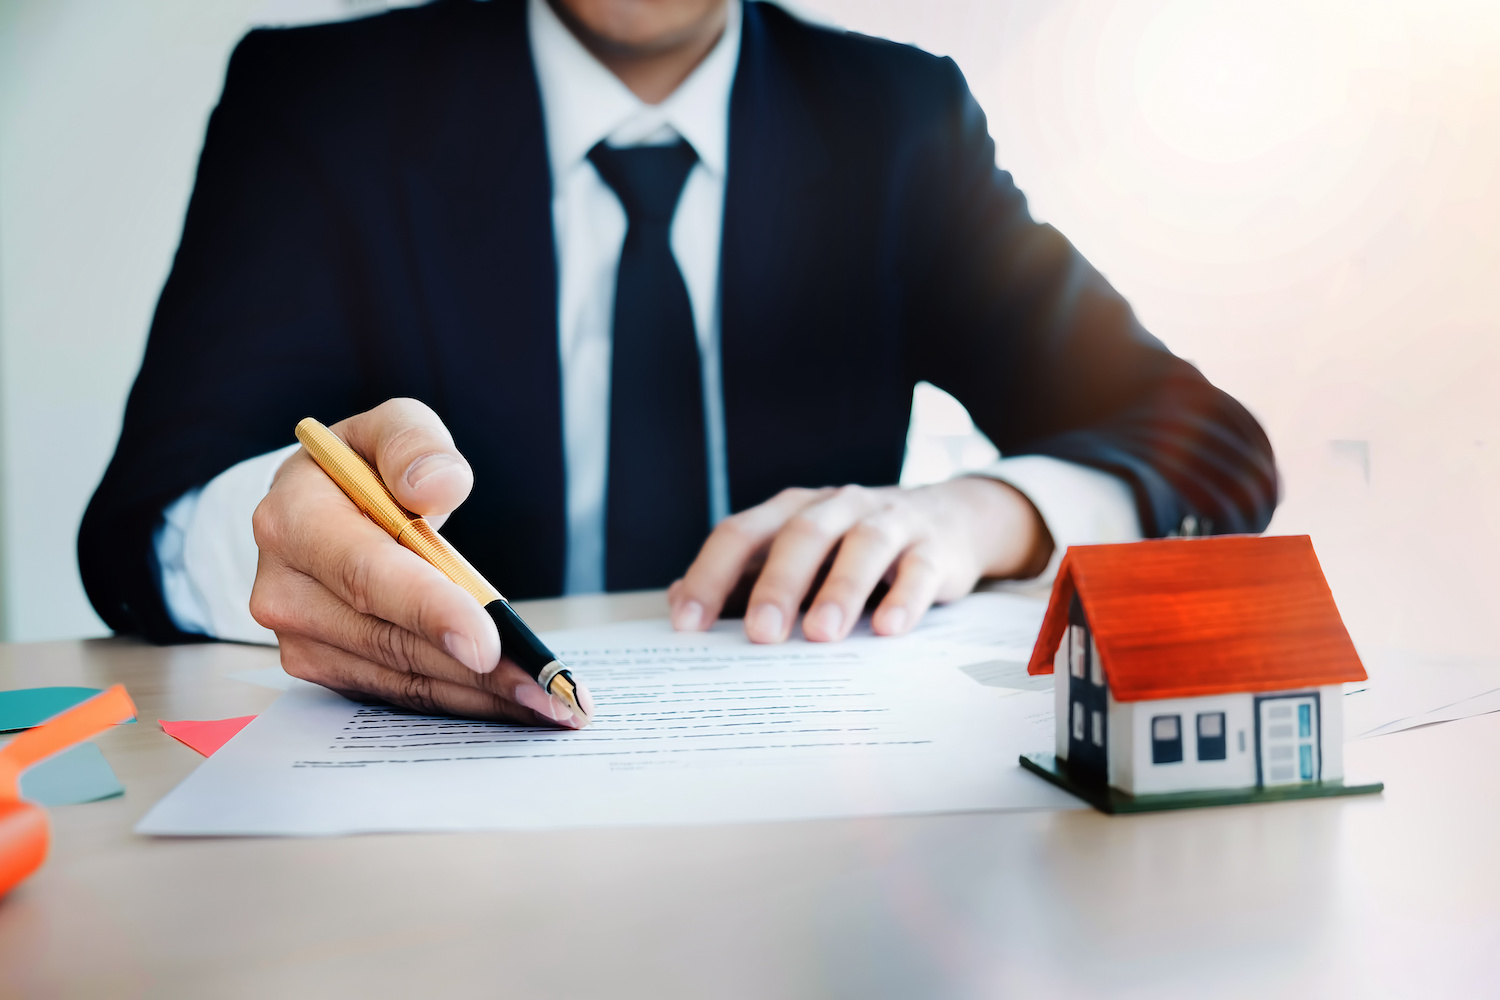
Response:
column 205, row 547
column 583, row 104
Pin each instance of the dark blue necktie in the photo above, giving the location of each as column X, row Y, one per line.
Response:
column 657, row 500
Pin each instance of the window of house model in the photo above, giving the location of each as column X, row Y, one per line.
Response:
column 1166, row 739
column 1211, row 741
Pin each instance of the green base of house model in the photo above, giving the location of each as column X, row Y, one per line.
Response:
column 1112, row 800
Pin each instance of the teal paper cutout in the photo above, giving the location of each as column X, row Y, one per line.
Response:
column 30, row 707
column 78, row 774
column 33, row 706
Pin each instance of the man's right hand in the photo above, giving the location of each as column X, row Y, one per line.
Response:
column 358, row 613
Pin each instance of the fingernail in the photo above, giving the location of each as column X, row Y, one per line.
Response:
column 688, row 616
column 826, row 621
column 585, row 700
column 564, row 714
column 466, row 651
column 533, row 697
column 893, row 621
column 426, row 467
column 764, row 623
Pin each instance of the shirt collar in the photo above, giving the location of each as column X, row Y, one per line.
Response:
column 584, row 103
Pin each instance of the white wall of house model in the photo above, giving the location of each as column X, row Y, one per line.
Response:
column 1222, row 741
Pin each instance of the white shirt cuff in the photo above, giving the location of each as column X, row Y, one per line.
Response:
column 207, row 553
column 1079, row 505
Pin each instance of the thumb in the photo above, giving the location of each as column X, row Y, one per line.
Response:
column 414, row 453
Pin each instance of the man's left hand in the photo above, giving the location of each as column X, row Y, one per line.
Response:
column 929, row 544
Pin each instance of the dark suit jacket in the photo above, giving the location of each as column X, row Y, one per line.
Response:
column 372, row 219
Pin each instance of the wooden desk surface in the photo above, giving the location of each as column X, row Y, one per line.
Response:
column 1391, row 896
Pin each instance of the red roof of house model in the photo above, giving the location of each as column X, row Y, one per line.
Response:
column 1182, row 618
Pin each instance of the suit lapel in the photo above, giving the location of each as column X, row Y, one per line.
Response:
column 779, row 167
column 478, row 205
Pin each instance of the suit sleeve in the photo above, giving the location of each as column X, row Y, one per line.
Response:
column 1050, row 360
column 252, row 332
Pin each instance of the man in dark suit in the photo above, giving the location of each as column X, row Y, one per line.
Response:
column 656, row 270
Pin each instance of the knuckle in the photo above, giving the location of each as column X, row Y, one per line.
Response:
column 805, row 524
column 400, row 407
column 267, row 610
column 295, row 661
column 920, row 561
column 852, row 493
column 875, row 531
column 415, row 691
column 737, row 526
column 411, row 440
column 778, row 586
column 355, row 575
column 393, row 645
column 841, row 588
column 799, row 496
column 266, row 525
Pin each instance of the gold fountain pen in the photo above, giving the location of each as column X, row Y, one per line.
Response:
column 364, row 486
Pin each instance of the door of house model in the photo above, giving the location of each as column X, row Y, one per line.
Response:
column 1289, row 744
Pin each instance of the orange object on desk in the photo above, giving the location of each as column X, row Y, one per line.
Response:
column 23, row 825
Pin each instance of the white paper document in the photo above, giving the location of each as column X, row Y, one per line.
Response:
column 691, row 728
column 1409, row 689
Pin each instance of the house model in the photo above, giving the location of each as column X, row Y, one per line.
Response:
column 1195, row 672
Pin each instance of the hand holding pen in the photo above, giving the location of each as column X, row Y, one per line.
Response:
column 359, row 613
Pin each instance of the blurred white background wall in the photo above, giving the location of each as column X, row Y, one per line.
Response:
column 1304, row 200
column 1301, row 198
column 102, row 111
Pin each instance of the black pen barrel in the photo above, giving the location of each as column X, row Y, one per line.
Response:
column 517, row 641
